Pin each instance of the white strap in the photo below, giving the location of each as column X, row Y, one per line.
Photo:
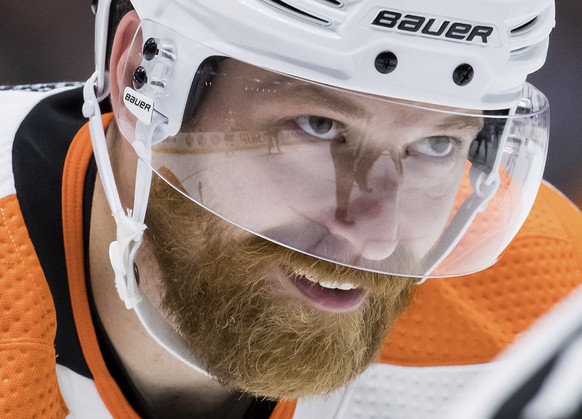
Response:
column 129, row 228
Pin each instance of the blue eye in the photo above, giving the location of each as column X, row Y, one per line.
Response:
column 319, row 126
column 432, row 147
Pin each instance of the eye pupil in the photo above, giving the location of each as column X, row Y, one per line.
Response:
column 320, row 125
column 440, row 144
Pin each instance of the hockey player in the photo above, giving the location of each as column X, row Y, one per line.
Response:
column 182, row 267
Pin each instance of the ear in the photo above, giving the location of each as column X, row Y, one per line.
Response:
column 123, row 55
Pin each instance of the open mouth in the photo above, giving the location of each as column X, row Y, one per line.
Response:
column 336, row 297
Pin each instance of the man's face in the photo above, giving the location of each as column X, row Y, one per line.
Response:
column 344, row 177
column 348, row 178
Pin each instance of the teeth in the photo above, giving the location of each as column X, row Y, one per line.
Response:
column 336, row 285
column 345, row 286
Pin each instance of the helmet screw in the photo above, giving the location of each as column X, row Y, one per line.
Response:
column 463, row 75
column 386, row 62
column 140, row 77
column 150, row 49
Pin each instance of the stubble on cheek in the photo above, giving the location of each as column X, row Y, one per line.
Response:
column 223, row 296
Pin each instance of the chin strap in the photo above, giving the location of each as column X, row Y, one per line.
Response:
column 130, row 226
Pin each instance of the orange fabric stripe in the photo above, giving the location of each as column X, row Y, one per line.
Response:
column 74, row 174
column 470, row 319
column 28, row 380
column 284, row 410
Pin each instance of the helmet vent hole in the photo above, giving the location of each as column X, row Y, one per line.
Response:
column 296, row 12
column 333, row 3
column 521, row 51
column 524, row 28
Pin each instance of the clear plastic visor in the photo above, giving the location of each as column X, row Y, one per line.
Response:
column 368, row 182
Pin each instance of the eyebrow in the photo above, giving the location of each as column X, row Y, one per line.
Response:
column 319, row 96
column 459, row 122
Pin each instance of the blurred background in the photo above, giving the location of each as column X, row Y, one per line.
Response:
column 52, row 40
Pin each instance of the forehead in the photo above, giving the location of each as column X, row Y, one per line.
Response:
column 271, row 88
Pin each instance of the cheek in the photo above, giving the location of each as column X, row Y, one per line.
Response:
column 426, row 200
column 254, row 188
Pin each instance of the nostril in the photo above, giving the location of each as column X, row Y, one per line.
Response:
column 369, row 225
column 341, row 214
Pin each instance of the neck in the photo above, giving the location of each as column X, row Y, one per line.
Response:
column 167, row 385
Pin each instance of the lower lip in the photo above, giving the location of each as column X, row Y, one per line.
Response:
column 326, row 299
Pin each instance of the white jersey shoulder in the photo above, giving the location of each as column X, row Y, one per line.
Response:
column 395, row 392
column 15, row 103
column 81, row 395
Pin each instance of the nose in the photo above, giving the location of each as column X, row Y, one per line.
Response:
column 366, row 212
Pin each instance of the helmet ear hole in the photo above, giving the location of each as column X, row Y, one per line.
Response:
column 207, row 70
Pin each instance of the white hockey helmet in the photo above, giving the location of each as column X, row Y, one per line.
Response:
column 396, row 137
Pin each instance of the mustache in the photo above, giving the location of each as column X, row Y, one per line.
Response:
column 264, row 252
column 317, row 240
